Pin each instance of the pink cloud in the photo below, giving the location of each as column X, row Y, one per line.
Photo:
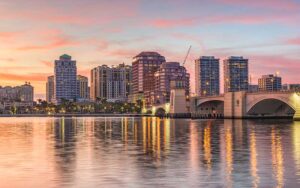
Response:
column 288, row 67
column 168, row 23
column 56, row 43
column 84, row 72
column 123, row 53
column 71, row 13
column 293, row 41
column 271, row 4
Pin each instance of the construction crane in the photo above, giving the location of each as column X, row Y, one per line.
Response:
column 187, row 54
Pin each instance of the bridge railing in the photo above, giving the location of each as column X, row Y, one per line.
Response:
column 271, row 92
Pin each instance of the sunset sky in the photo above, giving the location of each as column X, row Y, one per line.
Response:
column 33, row 33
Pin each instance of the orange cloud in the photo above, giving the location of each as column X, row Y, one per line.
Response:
column 27, row 77
column 7, row 59
column 58, row 42
column 47, row 63
column 8, row 34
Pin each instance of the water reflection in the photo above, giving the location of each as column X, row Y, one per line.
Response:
column 142, row 152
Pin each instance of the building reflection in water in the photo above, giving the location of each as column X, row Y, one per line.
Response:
column 135, row 151
column 253, row 158
column 195, row 148
column 277, row 157
column 296, row 146
column 207, row 145
column 65, row 148
column 228, row 151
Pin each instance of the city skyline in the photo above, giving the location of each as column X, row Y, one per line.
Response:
column 101, row 32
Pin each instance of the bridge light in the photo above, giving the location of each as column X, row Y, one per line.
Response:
column 167, row 108
column 153, row 110
column 144, row 110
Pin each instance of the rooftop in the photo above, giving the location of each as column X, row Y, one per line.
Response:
column 65, row 56
column 148, row 54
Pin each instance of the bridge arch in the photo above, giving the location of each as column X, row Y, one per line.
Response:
column 211, row 108
column 271, row 106
column 202, row 101
column 160, row 112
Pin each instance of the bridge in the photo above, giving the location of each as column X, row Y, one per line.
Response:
column 246, row 105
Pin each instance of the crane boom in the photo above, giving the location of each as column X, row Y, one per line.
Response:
column 187, row 54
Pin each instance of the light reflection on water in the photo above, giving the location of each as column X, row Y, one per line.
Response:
column 144, row 152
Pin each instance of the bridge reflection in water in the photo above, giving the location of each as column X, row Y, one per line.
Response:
column 148, row 151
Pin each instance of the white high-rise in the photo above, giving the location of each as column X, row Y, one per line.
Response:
column 111, row 83
column 65, row 79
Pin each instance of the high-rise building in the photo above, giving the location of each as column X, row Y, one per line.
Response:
column 235, row 74
column 111, row 83
column 82, row 88
column 26, row 92
column 144, row 65
column 269, row 83
column 168, row 72
column 50, row 89
column 207, row 75
column 65, row 82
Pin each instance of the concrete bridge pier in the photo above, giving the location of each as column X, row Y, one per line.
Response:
column 235, row 105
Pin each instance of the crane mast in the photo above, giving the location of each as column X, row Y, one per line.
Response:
column 187, row 54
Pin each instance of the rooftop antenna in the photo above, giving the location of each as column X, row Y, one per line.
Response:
column 186, row 56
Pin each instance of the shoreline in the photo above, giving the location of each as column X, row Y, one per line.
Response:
column 75, row 115
column 137, row 115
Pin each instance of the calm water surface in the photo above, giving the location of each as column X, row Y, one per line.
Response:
column 148, row 152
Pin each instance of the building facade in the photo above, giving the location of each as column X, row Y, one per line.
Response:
column 207, row 75
column 50, row 89
column 65, row 79
column 144, row 65
column 235, row 74
column 252, row 88
column 23, row 93
column 291, row 87
column 111, row 83
column 269, row 83
column 82, row 88
column 168, row 72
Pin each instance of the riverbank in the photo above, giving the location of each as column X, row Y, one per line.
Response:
column 75, row 115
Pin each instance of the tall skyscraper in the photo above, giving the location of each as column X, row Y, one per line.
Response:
column 168, row 72
column 111, row 83
column 144, row 65
column 82, row 88
column 207, row 75
column 65, row 73
column 235, row 74
column 50, row 88
column 269, row 83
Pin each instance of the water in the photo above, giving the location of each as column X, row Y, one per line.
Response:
column 148, row 152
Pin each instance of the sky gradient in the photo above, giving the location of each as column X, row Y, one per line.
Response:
column 33, row 33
